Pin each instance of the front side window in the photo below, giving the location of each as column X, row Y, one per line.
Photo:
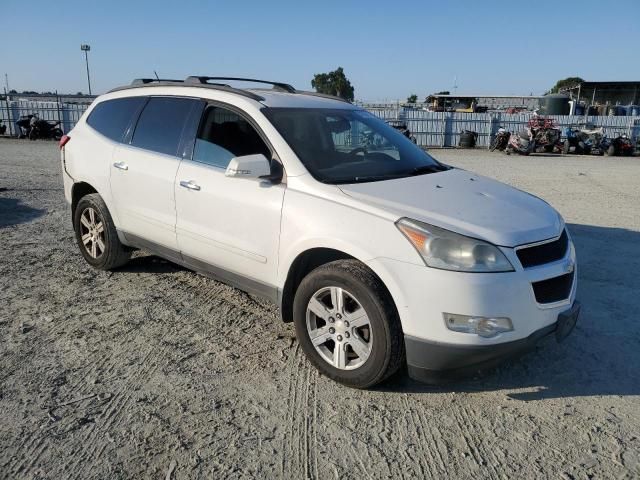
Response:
column 112, row 117
column 160, row 125
column 223, row 135
column 349, row 146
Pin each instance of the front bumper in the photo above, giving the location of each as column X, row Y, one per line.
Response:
column 435, row 362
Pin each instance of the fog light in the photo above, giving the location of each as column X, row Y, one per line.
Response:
column 486, row 327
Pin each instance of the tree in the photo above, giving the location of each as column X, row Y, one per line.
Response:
column 12, row 91
column 413, row 98
column 333, row 83
column 566, row 83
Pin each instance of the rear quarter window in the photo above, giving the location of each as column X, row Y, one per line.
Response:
column 112, row 117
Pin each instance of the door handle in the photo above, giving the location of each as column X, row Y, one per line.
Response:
column 190, row 184
column 121, row 165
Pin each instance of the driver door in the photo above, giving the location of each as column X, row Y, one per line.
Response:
column 229, row 227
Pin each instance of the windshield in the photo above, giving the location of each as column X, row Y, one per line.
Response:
column 349, row 146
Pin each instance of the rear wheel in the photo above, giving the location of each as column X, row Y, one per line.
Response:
column 347, row 324
column 96, row 234
column 566, row 147
column 611, row 151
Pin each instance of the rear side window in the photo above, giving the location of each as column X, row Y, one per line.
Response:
column 160, row 125
column 112, row 117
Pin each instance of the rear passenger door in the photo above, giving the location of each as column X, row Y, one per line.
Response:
column 229, row 227
column 144, row 168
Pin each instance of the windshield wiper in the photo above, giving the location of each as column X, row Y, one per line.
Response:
column 367, row 178
column 422, row 169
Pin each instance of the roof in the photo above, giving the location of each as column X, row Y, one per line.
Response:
column 280, row 95
column 300, row 99
column 613, row 84
column 484, row 96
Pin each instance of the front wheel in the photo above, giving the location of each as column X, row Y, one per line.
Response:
column 96, row 234
column 347, row 324
column 611, row 151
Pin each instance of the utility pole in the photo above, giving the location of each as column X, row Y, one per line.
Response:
column 6, row 82
column 85, row 48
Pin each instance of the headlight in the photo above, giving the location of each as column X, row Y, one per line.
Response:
column 443, row 249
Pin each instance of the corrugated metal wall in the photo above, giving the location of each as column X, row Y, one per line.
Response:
column 442, row 129
column 66, row 113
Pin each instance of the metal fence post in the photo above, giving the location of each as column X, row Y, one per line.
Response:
column 59, row 112
column 491, row 120
column 9, row 120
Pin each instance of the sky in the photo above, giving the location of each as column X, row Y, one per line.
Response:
column 388, row 50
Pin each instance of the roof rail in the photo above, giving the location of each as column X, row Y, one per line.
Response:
column 144, row 81
column 323, row 95
column 285, row 87
column 204, row 82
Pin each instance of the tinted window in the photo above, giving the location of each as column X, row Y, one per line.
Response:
column 160, row 125
column 222, row 135
column 112, row 117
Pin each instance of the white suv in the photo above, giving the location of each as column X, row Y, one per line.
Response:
column 378, row 253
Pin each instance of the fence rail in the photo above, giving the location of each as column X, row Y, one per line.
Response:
column 431, row 129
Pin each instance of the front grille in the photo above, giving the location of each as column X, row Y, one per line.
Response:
column 545, row 253
column 554, row 289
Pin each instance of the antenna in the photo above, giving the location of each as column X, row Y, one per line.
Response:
column 156, row 74
column 455, row 84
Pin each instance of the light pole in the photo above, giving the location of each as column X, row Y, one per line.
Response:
column 85, row 48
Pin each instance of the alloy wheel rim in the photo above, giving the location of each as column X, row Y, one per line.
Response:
column 339, row 328
column 92, row 232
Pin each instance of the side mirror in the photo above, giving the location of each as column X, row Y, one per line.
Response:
column 249, row 166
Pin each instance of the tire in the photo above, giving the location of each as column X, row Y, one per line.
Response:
column 549, row 148
column 57, row 134
column 380, row 342
column 103, row 250
column 566, row 147
column 611, row 151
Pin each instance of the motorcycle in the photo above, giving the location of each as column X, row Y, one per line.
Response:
column 619, row 146
column 24, row 126
column 523, row 143
column 501, row 140
column 587, row 141
column 45, row 129
column 545, row 133
column 3, row 128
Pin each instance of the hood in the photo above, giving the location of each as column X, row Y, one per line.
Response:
column 465, row 203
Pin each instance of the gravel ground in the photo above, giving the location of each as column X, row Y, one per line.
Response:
column 153, row 371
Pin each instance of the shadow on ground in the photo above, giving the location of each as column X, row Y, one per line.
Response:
column 602, row 356
column 150, row 264
column 14, row 212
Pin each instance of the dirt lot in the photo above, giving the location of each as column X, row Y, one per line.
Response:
column 153, row 370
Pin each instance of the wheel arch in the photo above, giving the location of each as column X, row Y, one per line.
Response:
column 79, row 190
column 303, row 264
